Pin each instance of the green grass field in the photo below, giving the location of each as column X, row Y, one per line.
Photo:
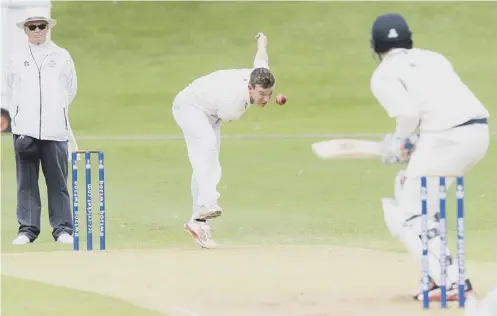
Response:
column 45, row 300
column 133, row 57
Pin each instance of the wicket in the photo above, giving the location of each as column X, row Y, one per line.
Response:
column 443, row 241
column 88, row 191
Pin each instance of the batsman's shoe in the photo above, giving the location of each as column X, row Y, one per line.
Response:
column 435, row 294
column 201, row 231
column 453, row 291
column 209, row 211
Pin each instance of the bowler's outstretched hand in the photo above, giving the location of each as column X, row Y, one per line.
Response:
column 261, row 39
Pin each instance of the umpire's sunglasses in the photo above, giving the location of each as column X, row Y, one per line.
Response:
column 33, row 27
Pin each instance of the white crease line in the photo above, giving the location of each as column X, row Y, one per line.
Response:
column 184, row 311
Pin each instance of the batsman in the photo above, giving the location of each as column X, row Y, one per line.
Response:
column 429, row 102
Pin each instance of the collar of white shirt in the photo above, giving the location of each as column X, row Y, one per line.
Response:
column 394, row 52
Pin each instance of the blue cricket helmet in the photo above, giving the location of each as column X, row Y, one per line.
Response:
column 390, row 31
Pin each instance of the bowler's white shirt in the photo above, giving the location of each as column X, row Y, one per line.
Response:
column 223, row 93
column 423, row 84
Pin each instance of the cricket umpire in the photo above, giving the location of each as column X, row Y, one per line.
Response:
column 41, row 84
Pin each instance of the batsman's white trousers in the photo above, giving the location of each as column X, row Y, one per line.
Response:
column 450, row 153
column 202, row 134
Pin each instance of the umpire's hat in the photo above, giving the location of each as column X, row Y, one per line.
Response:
column 390, row 31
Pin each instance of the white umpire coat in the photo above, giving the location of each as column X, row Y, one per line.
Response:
column 41, row 84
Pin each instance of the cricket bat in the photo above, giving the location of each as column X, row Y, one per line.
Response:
column 348, row 148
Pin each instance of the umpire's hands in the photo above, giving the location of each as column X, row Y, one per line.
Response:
column 78, row 157
column 70, row 150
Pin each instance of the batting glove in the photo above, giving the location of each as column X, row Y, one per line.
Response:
column 397, row 150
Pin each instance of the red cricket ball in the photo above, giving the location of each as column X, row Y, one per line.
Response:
column 281, row 99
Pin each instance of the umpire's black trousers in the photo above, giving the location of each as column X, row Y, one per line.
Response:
column 53, row 157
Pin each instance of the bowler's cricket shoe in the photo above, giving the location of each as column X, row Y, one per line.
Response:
column 201, row 231
column 209, row 211
column 435, row 294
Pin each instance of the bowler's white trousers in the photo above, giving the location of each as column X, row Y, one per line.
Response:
column 202, row 134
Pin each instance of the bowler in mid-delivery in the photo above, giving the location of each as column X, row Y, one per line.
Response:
column 199, row 109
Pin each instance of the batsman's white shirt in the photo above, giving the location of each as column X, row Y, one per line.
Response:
column 421, row 83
